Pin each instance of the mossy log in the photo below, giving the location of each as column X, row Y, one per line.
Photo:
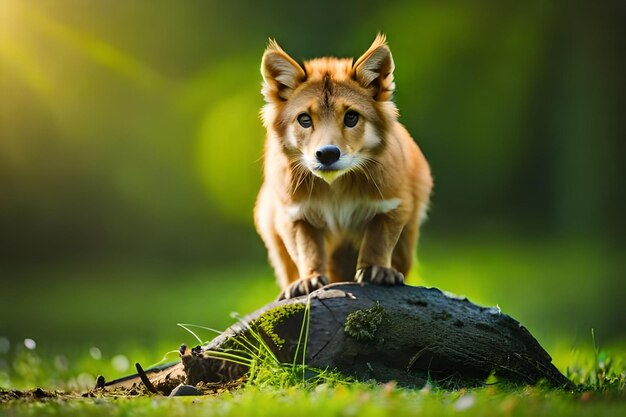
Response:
column 402, row 333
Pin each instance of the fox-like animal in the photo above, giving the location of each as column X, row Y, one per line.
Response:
column 345, row 186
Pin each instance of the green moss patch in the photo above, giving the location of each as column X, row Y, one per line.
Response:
column 363, row 324
column 274, row 317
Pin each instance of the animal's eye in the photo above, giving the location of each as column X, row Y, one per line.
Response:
column 305, row 120
column 351, row 118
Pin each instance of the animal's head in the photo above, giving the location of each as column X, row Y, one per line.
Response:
column 330, row 114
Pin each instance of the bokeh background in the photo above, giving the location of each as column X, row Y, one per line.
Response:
column 130, row 151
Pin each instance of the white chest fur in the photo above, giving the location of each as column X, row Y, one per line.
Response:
column 340, row 214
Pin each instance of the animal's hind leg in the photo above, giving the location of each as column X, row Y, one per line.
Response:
column 343, row 260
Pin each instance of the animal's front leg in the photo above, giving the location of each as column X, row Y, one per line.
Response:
column 306, row 246
column 374, row 264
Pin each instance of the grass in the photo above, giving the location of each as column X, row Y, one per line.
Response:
column 99, row 320
column 281, row 392
column 344, row 400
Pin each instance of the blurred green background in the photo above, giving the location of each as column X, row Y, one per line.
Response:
column 130, row 151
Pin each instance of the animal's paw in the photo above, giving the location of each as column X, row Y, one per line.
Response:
column 379, row 275
column 303, row 286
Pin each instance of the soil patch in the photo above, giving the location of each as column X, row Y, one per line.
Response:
column 137, row 390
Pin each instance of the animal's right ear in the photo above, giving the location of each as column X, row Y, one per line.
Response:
column 281, row 73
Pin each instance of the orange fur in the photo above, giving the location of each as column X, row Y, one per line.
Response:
column 360, row 217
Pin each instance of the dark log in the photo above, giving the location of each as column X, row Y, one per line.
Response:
column 402, row 333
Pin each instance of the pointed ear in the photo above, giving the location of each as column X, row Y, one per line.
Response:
column 281, row 73
column 374, row 70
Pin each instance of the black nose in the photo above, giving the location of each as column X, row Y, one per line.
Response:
column 327, row 155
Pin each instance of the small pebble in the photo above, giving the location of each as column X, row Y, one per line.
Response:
column 184, row 390
column 40, row 393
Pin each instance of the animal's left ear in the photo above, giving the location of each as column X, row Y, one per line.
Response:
column 374, row 70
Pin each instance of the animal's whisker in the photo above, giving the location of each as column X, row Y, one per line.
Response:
column 301, row 173
column 362, row 167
